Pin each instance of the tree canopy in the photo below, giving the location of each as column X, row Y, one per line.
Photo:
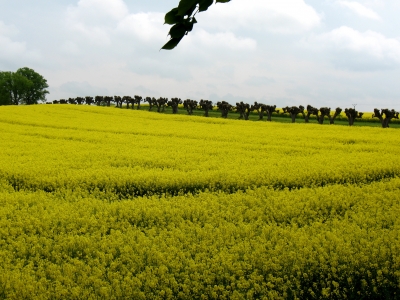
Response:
column 182, row 19
column 24, row 86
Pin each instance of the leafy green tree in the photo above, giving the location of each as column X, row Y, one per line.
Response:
column 22, row 87
column 5, row 95
column 13, row 88
column 37, row 91
column 182, row 19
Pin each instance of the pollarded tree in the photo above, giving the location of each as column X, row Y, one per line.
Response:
column 247, row 110
column 151, row 101
column 190, row 105
column 270, row 109
column 240, row 108
column 310, row 111
column 260, row 108
column 338, row 111
column 89, row 100
column 80, row 100
column 326, row 112
column 174, row 103
column 132, row 102
column 206, row 105
column 352, row 115
column 182, row 19
column 161, row 102
column 293, row 111
column 224, row 107
column 244, row 109
column 108, row 100
column 389, row 114
column 71, row 101
column 127, row 100
column 323, row 112
column 138, row 100
column 118, row 101
column 98, row 100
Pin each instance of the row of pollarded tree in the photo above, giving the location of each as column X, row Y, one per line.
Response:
column 118, row 100
column 244, row 109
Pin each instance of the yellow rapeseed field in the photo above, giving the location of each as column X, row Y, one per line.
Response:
column 137, row 152
column 105, row 203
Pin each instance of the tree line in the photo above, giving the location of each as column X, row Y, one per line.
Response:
column 25, row 86
column 244, row 109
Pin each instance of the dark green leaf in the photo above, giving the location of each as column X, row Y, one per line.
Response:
column 183, row 19
column 172, row 17
column 177, row 31
column 186, row 7
column 205, row 4
column 188, row 25
column 172, row 43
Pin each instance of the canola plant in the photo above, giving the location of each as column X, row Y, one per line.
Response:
column 98, row 202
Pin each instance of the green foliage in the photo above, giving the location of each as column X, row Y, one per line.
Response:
column 37, row 90
column 13, row 88
column 4, row 95
column 183, row 18
column 24, row 86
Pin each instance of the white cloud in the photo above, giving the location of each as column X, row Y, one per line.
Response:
column 362, row 51
column 145, row 26
column 94, row 19
column 370, row 42
column 226, row 40
column 10, row 48
column 360, row 9
column 69, row 47
column 284, row 16
column 11, row 51
column 259, row 80
column 148, row 27
column 6, row 30
column 98, row 10
column 82, row 89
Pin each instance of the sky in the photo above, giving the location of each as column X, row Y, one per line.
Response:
column 333, row 53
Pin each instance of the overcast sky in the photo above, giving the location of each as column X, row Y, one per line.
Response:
column 284, row 52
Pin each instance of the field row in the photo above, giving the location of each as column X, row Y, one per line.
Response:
column 138, row 153
column 324, row 243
